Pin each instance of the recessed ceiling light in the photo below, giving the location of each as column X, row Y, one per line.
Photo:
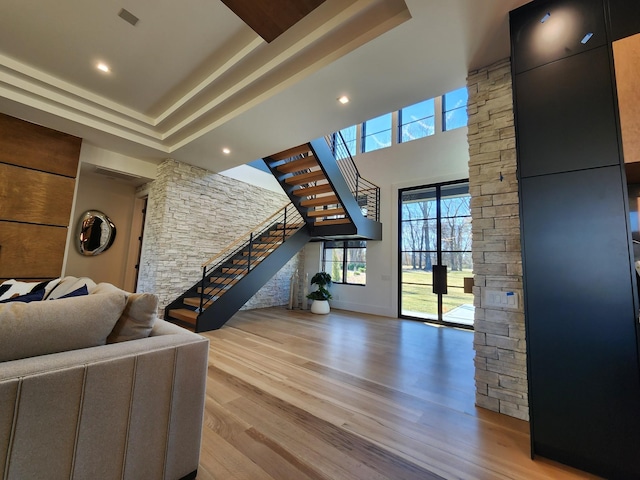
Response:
column 226, row 151
column 103, row 67
column 343, row 99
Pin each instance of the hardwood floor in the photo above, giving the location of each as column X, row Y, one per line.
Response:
column 297, row 396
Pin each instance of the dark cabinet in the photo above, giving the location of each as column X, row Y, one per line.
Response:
column 545, row 31
column 579, row 281
column 583, row 374
column 625, row 18
column 565, row 117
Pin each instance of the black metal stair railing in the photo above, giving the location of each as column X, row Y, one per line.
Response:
column 224, row 269
column 366, row 193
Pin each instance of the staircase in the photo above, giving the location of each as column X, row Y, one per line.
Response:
column 323, row 183
column 235, row 274
column 329, row 200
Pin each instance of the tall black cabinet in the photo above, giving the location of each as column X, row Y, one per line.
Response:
column 581, row 306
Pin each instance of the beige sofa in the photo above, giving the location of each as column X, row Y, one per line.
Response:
column 131, row 409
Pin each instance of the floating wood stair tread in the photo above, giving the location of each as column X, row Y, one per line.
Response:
column 298, row 165
column 305, row 192
column 291, row 152
column 245, row 261
column 334, row 221
column 263, row 251
column 215, row 290
column 195, row 301
column 305, row 178
column 233, row 270
column 273, row 239
column 326, row 212
column 290, row 226
column 320, row 201
column 184, row 315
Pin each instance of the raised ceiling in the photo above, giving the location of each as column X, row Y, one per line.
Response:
column 191, row 77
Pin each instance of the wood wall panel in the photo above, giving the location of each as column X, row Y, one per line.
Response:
column 37, row 147
column 37, row 182
column 626, row 54
column 35, row 197
column 30, row 251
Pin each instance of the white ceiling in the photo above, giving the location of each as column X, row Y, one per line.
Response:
column 191, row 77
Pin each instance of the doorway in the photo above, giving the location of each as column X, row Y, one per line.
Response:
column 435, row 261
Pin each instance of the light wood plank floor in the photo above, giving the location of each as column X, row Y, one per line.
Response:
column 297, row 396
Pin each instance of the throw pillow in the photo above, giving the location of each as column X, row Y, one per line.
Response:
column 16, row 288
column 29, row 297
column 69, row 284
column 138, row 317
column 41, row 328
column 77, row 293
column 4, row 288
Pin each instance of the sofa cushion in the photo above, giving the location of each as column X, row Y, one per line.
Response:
column 40, row 328
column 138, row 317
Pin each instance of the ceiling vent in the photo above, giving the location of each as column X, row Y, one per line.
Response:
column 116, row 174
column 128, row 17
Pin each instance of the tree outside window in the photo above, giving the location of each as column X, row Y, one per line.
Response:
column 346, row 261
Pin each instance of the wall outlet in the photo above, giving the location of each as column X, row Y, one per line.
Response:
column 498, row 299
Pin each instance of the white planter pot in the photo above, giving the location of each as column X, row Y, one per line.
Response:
column 320, row 306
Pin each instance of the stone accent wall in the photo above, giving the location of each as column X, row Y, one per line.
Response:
column 499, row 343
column 192, row 214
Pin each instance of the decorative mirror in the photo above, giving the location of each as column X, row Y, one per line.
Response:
column 96, row 233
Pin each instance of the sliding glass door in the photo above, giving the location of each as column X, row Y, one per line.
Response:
column 435, row 254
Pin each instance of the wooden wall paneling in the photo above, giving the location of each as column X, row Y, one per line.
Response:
column 37, row 147
column 271, row 19
column 626, row 55
column 559, row 106
column 35, row 197
column 29, row 251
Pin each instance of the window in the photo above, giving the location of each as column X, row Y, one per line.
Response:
column 349, row 135
column 376, row 133
column 454, row 109
column 417, row 121
column 346, row 261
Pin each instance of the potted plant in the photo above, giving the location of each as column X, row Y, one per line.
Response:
column 321, row 296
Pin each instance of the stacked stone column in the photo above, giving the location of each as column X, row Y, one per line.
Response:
column 499, row 343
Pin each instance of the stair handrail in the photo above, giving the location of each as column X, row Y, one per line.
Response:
column 243, row 241
column 358, row 185
column 243, row 237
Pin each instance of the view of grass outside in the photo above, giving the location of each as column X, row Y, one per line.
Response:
column 417, row 295
column 346, row 262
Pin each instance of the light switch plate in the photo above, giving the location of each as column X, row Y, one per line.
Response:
column 499, row 299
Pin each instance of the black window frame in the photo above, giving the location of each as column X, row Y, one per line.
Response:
column 343, row 245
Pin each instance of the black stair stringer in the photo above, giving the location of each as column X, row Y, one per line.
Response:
column 220, row 311
column 365, row 227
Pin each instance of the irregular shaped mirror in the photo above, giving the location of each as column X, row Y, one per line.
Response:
column 96, row 233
